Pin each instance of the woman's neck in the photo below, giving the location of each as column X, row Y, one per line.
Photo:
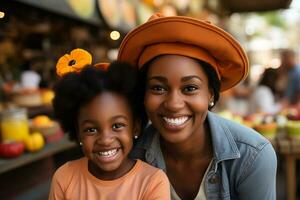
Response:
column 199, row 145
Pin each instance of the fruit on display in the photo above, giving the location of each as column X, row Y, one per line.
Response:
column 231, row 116
column 34, row 142
column 267, row 130
column 293, row 129
column 292, row 113
column 266, row 125
column 47, row 96
column 50, row 129
column 42, row 121
column 11, row 149
column 292, row 125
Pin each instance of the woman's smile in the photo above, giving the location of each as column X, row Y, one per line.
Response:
column 174, row 123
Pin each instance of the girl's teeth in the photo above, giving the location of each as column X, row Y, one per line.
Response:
column 108, row 153
column 175, row 121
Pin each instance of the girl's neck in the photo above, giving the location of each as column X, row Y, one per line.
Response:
column 123, row 169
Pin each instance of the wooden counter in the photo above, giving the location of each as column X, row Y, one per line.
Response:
column 290, row 150
column 48, row 150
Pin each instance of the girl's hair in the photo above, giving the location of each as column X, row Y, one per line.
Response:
column 214, row 83
column 75, row 90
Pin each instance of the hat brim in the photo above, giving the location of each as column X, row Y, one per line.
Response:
column 231, row 61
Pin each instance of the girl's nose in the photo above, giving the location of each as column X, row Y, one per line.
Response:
column 105, row 138
column 174, row 101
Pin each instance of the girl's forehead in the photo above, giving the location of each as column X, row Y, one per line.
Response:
column 107, row 102
column 106, row 108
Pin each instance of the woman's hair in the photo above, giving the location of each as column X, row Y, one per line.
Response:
column 75, row 90
column 214, row 83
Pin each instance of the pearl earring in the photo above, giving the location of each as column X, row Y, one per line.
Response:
column 80, row 143
column 136, row 137
column 211, row 104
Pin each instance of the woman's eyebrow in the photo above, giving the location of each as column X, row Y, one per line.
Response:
column 187, row 78
column 159, row 78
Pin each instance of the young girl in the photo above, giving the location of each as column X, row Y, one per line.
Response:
column 96, row 106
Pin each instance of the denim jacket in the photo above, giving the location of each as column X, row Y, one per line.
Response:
column 243, row 167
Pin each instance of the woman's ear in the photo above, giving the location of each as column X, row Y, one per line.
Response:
column 137, row 128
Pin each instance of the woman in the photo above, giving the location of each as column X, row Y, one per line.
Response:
column 184, row 64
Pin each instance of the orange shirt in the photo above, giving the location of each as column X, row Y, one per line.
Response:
column 73, row 181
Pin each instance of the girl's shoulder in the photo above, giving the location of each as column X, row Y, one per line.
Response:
column 70, row 168
column 146, row 171
column 147, row 168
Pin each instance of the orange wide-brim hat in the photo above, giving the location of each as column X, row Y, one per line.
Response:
column 190, row 37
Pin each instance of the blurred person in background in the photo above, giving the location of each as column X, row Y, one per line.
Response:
column 29, row 79
column 262, row 98
column 292, row 92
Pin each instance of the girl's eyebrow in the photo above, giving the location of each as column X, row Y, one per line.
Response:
column 119, row 117
column 82, row 122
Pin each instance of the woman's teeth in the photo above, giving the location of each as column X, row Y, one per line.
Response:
column 175, row 121
column 109, row 153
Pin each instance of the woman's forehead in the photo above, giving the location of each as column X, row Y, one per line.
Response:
column 175, row 64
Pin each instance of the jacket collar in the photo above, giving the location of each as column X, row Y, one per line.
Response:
column 224, row 145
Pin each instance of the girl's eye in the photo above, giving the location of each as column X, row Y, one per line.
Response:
column 118, row 126
column 90, row 130
column 190, row 88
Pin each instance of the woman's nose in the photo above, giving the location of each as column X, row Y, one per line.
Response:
column 174, row 101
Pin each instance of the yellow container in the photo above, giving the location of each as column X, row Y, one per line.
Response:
column 14, row 124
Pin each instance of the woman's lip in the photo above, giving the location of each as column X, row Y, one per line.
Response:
column 174, row 126
column 174, row 116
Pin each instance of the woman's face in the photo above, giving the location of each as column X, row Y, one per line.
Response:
column 106, row 127
column 177, row 96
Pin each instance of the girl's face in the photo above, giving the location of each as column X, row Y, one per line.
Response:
column 177, row 97
column 106, row 127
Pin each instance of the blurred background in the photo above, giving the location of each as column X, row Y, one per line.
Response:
column 35, row 33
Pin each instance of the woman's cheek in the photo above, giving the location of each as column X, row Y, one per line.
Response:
column 151, row 102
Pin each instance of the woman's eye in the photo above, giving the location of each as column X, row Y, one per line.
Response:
column 118, row 126
column 190, row 88
column 157, row 89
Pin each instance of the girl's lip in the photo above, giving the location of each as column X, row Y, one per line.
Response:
column 105, row 149
column 108, row 155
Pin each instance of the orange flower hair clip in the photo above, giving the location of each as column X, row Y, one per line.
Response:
column 73, row 62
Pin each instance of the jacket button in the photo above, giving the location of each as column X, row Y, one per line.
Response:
column 214, row 179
